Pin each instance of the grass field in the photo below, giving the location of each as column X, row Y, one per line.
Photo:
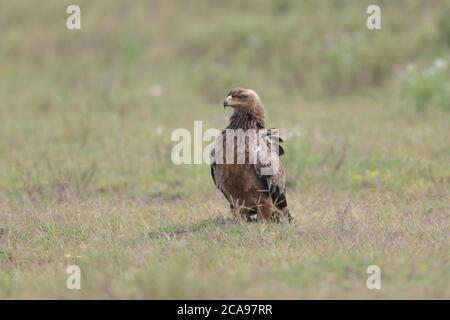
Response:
column 86, row 176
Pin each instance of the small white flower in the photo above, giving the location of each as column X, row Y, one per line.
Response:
column 440, row 64
column 156, row 90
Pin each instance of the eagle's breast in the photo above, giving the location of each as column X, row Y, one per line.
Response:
column 238, row 179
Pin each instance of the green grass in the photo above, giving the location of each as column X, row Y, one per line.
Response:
column 85, row 148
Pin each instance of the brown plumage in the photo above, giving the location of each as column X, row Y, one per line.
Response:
column 252, row 187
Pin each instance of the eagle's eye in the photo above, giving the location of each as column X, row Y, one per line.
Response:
column 241, row 97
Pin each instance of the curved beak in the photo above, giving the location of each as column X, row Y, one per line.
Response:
column 226, row 102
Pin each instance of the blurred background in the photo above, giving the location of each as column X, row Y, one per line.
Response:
column 133, row 72
column 86, row 115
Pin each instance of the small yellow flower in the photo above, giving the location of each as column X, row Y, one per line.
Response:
column 67, row 255
column 423, row 267
column 374, row 173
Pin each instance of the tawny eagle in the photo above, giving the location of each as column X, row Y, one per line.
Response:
column 255, row 187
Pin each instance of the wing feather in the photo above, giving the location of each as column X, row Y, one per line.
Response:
column 272, row 178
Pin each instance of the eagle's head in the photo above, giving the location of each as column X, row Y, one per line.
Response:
column 242, row 100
